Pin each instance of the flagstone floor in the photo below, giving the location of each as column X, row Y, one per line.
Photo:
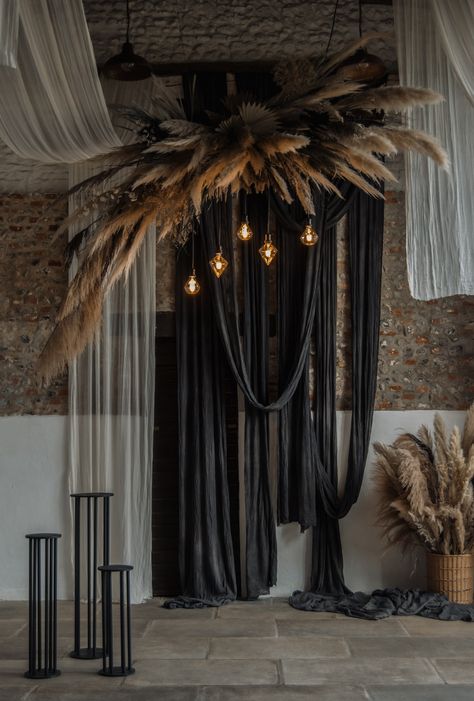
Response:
column 262, row 651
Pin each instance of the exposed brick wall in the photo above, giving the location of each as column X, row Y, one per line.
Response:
column 33, row 281
column 426, row 354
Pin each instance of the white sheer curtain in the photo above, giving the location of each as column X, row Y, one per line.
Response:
column 111, row 393
column 8, row 33
column 435, row 50
column 53, row 110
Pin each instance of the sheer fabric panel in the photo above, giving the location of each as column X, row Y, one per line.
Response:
column 111, row 400
column 435, row 51
column 52, row 108
column 8, row 33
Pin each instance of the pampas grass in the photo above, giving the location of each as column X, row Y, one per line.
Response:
column 425, row 488
column 314, row 132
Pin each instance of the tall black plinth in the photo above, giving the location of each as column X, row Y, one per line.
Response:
column 91, row 502
column 108, row 668
column 42, row 615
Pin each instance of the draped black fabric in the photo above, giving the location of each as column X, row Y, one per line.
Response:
column 299, row 286
column 383, row 603
column 365, row 231
column 206, row 557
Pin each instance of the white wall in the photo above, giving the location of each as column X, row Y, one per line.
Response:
column 366, row 565
column 33, row 497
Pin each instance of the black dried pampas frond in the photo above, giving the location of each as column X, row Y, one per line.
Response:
column 308, row 135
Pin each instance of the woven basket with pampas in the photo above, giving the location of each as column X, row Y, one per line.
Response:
column 426, row 497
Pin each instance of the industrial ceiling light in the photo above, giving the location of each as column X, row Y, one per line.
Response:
column 127, row 65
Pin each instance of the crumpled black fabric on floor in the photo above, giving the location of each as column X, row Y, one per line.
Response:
column 383, row 603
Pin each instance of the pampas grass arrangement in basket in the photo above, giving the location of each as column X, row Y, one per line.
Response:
column 426, row 497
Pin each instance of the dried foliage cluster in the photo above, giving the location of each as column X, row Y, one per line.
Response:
column 425, row 487
column 309, row 135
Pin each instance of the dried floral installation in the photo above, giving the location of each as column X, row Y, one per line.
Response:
column 314, row 132
column 426, row 494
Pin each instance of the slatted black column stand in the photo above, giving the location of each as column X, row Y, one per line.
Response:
column 108, row 668
column 43, row 579
column 91, row 500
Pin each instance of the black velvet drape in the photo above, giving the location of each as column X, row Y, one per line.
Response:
column 365, row 233
column 206, row 556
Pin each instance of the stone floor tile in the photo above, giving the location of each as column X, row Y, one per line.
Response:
column 119, row 694
column 166, row 648
column 13, row 692
column 203, row 672
column 283, row 693
column 420, row 692
column 417, row 625
column 245, row 627
column 16, row 648
column 13, row 609
column 360, row 671
column 349, row 627
column 411, row 647
column 11, row 626
column 277, row 648
column 66, row 626
column 149, row 612
column 247, row 611
column 456, row 670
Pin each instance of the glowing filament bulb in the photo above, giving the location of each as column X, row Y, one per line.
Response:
column 218, row 264
column 192, row 285
column 268, row 251
column 244, row 232
column 309, row 237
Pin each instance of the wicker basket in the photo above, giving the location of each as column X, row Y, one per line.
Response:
column 451, row 575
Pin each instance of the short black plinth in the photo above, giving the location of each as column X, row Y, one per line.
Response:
column 91, row 501
column 108, row 668
column 42, row 620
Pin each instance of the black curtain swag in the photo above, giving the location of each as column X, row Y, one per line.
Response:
column 307, row 449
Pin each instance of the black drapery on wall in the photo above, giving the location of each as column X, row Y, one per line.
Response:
column 206, row 554
column 365, row 234
column 307, row 451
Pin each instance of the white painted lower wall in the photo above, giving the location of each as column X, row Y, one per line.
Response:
column 34, row 497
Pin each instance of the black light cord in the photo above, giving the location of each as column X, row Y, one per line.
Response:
column 360, row 19
column 332, row 28
column 128, row 20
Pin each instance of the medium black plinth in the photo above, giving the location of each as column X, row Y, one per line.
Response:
column 91, row 501
column 42, row 622
column 108, row 668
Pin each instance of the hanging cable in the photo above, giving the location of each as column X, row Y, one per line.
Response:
column 128, row 20
column 360, row 19
column 332, row 28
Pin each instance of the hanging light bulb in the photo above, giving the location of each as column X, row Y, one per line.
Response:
column 268, row 251
column 192, row 286
column 218, row 263
column 244, row 232
column 309, row 237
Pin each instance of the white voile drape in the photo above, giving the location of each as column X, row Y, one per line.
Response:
column 435, row 50
column 8, row 33
column 53, row 110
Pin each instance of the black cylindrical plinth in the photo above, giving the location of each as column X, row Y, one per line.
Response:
column 91, row 502
column 108, row 667
column 43, row 578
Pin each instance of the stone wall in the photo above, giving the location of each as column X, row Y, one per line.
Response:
column 33, row 280
column 426, row 353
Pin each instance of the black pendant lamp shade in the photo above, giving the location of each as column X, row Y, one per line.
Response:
column 127, row 65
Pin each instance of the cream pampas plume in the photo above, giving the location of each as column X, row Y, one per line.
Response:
column 425, row 488
column 310, row 135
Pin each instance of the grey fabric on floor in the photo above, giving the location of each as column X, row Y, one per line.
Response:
column 383, row 603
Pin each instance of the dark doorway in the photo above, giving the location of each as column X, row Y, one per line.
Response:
column 165, row 461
